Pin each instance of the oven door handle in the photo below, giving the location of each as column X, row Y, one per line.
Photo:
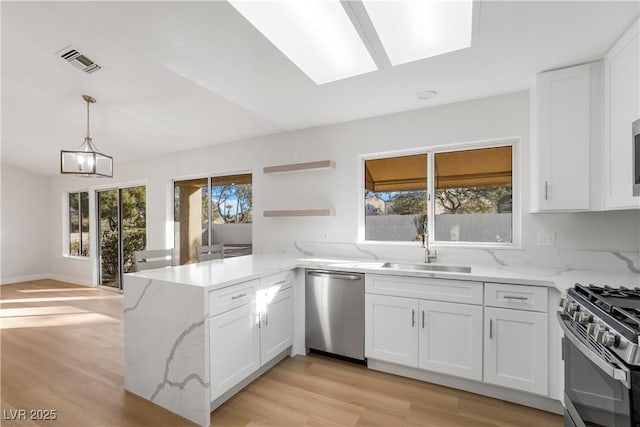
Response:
column 606, row 367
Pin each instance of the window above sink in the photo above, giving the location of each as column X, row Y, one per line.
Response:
column 468, row 195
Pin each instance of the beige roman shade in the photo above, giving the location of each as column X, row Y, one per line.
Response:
column 453, row 169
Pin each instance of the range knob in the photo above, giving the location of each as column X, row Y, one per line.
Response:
column 607, row 339
column 571, row 307
column 584, row 318
column 593, row 329
column 563, row 301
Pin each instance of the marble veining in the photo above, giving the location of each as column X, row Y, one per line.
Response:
column 495, row 257
column 172, row 353
column 366, row 252
column 301, row 250
column 628, row 261
column 144, row 291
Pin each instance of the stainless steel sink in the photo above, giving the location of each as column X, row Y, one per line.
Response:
column 427, row 267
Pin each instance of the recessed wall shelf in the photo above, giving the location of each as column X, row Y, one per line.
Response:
column 298, row 212
column 300, row 167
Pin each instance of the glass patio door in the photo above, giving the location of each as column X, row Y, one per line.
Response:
column 122, row 226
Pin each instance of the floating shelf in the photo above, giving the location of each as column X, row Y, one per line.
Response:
column 300, row 167
column 298, row 212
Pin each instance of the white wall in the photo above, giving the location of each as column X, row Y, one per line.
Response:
column 499, row 117
column 25, row 225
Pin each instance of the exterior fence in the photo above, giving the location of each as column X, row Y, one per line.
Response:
column 493, row 227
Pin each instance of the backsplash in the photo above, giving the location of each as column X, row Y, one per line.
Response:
column 553, row 258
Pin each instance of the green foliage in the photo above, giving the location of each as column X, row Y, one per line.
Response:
column 410, row 202
column 133, row 206
column 475, row 199
column 232, row 203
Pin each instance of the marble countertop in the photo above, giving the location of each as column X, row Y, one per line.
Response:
column 221, row 273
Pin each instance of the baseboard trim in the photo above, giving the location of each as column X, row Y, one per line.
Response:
column 230, row 393
column 45, row 276
column 69, row 279
column 515, row 396
column 27, row 278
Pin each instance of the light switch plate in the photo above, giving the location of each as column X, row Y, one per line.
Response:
column 546, row 238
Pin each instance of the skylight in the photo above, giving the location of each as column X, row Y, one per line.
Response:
column 417, row 29
column 317, row 36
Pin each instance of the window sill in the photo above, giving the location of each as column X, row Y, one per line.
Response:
column 451, row 245
column 84, row 258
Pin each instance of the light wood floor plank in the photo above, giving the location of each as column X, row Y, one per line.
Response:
column 61, row 347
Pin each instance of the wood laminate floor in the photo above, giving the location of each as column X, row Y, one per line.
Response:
column 61, row 348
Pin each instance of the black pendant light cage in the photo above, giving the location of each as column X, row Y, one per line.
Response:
column 87, row 160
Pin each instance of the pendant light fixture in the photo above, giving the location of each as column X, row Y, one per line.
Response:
column 87, row 160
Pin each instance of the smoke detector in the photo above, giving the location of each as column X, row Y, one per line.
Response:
column 78, row 60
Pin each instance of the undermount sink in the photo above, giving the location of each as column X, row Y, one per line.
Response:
column 427, row 267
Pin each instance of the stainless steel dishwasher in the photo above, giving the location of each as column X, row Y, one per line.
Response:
column 335, row 313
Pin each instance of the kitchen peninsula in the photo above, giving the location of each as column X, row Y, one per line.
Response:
column 172, row 316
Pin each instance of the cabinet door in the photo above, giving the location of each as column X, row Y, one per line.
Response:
column 234, row 339
column 516, row 349
column 391, row 329
column 275, row 335
column 451, row 339
column 563, row 139
column 622, row 108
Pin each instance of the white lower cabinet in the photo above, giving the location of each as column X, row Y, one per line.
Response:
column 438, row 336
column 516, row 349
column 451, row 339
column 277, row 321
column 235, row 348
column 247, row 337
column 391, row 329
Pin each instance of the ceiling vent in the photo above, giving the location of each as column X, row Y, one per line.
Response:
column 78, row 60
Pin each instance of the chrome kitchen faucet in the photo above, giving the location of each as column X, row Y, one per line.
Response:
column 428, row 257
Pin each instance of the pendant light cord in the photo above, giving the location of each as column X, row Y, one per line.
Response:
column 88, row 135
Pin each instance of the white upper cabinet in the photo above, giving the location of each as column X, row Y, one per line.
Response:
column 569, row 111
column 621, row 109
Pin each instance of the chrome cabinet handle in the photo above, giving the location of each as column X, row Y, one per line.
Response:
column 546, row 190
column 413, row 318
column 490, row 329
column 280, row 282
column 258, row 316
column 266, row 318
column 422, row 319
column 517, row 298
column 244, row 294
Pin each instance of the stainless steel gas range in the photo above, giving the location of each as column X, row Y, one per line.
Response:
column 602, row 357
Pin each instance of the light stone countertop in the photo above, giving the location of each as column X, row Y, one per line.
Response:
column 221, row 273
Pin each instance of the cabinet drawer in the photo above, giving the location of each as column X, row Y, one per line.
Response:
column 520, row 297
column 225, row 299
column 463, row 291
column 281, row 280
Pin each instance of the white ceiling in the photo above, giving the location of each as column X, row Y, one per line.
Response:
column 182, row 75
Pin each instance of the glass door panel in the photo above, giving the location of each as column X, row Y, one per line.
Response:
column 133, row 201
column 108, row 238
column 191, row 228
column 121, row 231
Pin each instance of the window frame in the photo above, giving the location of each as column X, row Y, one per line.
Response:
column 210, row 177
column 516, row 186
column 67, row 241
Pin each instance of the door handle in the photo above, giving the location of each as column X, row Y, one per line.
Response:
column 513, row 297
column 244, row 294
column 490, row 328
column 413, row 318
column 422, row 319
column 546, row 190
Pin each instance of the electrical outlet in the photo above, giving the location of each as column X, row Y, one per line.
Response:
column 546, row 238
column 324, row 235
